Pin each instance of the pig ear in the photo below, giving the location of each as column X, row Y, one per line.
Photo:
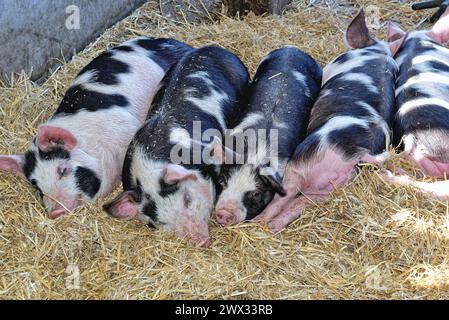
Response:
column 123, row 206
column 176, row 173
column 395, row 37
column 271, row 178
column 12, row 164
column 357, row 34
column 440, row 30
column 49, row 137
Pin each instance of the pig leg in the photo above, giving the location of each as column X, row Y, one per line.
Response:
column 275, row 207
column 279, row 217
column 293, row 211
column 438, row 190
column 433, row 168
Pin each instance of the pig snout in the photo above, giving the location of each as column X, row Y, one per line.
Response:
column 225, row 216
column 56, row 213
column 62, row 207
column 197, row 232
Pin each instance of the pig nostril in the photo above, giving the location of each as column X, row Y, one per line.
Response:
column 225, row 218
column 221, row 217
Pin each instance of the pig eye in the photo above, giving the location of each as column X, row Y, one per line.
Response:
column 63, row 170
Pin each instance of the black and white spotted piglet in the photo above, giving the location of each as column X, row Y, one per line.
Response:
column 281, row 96
column 172, row 162
column 78, row 154
column 422, row 91
column 349, row 123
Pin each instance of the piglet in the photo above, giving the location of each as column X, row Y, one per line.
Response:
column 78, row 154
column 349, row 124
column 422, row 119
column 422, row 93
column 173, row 162
column 281, row 96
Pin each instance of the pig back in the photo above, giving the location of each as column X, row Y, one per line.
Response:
column 422, row 88
column 281, row 96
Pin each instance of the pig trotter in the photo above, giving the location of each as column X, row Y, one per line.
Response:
column 438, row 190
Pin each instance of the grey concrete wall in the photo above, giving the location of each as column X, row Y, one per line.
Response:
column 34, row 33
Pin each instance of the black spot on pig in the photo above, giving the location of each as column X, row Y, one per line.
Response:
column 255, row 201
column 29, row 164
column 126, row 170
column 87, row 181
column 372, row 49
column 412, row 93
column 124, row 48
column 150, row 209
column 342, row 58
column 77, row 99
column 56, row 153
column 308, row 148
column 35, row 185
column 437, row 66
column 344, row 106
column 105, row 68
column 160, row 49
column 426, row 117
column 167, row 189
column 350, row 140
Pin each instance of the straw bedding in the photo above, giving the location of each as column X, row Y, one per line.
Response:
column 368, row 241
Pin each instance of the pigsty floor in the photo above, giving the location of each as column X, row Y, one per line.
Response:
column 369, row 241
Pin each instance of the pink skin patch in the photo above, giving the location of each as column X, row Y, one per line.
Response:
column 440, row 30
column 311, row 182
column 196, row 231
column 428, row 166
column 50, row 137
column 228, row 214
column 433, row 168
